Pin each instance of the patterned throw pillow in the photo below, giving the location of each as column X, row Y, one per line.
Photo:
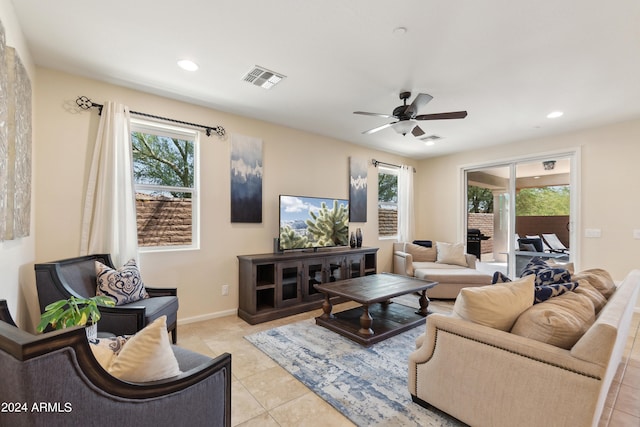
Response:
column 145, row 356
column 544, row 292
column 499, row 277
column 534, row 264
column 124, row 285
column 545, row 274
column 105, row 349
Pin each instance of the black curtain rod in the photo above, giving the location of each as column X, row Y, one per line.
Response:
column 85, row 103
column 375, row 163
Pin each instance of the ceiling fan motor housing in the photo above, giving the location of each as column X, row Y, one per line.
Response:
column 400, row 112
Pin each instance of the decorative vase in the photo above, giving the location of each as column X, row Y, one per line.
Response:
column 358, row 237
column 352, row 240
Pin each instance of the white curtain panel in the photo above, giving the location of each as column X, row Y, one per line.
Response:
column 109, row 220
column 405, row 204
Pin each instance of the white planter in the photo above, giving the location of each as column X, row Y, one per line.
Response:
column 92, row 331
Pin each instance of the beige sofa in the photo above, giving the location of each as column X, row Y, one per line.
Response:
column 410, row 259
column 485, row 376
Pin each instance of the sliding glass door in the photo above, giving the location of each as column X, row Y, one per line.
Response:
column 532, row 198
column 489, row 214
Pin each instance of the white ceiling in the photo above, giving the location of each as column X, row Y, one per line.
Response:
column 507, row 62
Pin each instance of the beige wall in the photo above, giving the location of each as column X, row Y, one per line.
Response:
column 16, row 256
column 295, row 162
column 609, row 182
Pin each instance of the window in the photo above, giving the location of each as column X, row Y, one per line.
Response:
column 165, row 171
column 387, row 202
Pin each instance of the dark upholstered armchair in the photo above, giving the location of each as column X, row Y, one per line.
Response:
column 53, row 379
column 77, row 276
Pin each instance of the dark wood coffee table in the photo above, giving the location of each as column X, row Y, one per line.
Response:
column 378, row 318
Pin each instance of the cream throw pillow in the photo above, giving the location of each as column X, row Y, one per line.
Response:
column 147, row 355
column 450, row 253
column 497, row 306
column 421, row 253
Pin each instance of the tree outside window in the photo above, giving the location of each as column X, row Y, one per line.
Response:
column 164, row 170
column 387, row 202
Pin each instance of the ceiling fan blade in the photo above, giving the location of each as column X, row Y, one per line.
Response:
column 370, row 131
column 443, row 116
column 417, row 131
column 421, row 100
column 386, row 116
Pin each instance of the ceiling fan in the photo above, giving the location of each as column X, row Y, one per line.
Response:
column 407, row 115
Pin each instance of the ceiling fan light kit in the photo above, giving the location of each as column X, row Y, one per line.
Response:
column 407, row 115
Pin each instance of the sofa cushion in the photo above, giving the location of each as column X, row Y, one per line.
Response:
column 497, row 306
column 560, row 321
column 599, row 279
column 444, row 273
column 147, row 355
column 420, row 253
column 124, row 285
column 450, row 253
column 592, row 293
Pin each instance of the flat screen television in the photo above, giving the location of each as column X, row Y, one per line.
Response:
column 313, row 222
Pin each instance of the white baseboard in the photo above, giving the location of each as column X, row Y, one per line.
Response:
column 209, row 316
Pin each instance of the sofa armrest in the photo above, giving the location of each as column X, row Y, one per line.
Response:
column 161, row 292
column 478, row 375
column 202, row 393
column 403, row 263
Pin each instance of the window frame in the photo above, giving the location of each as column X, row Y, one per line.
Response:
column 171, row 131
column 387, row 171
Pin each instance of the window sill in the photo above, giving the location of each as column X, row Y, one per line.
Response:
column 155, row 249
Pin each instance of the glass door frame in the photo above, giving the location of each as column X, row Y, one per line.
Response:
column 574, row 156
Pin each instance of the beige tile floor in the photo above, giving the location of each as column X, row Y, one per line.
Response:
column 264, row 394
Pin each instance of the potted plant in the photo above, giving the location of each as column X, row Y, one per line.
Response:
column 75, row 311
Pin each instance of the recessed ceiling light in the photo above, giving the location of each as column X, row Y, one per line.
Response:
column 185, row 64
column 429, row 143
column 400, row 30
column 554, row 114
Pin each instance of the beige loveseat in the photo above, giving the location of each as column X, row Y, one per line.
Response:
column 485, row 376
column 452, row 273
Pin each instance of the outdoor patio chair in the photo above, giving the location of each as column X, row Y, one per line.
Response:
column 555, row 245
column 545, row 247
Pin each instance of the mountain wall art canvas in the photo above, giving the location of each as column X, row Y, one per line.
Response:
column 246, row 179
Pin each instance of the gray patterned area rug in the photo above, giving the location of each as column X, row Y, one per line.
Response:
column 367, row 385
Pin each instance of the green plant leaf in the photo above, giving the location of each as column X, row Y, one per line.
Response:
column 55, row 305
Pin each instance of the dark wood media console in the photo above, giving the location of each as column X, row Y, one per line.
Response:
column 277, row 285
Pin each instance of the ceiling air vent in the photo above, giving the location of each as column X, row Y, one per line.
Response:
column 262, row 77
column 430, row 138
